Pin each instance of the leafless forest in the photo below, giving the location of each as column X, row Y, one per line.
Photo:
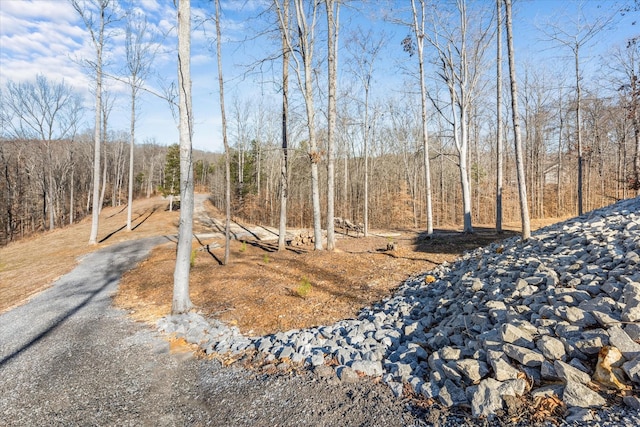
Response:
column 573, row 129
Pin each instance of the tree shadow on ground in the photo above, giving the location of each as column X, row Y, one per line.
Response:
column 454, row 242
column 272, row 246
column 207, row 247
column 108, row 236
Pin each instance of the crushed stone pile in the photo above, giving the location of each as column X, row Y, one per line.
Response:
column 556, row 315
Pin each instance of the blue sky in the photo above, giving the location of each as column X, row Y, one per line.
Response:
column 48, row 37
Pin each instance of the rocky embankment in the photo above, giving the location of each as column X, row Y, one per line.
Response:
column 557, row 315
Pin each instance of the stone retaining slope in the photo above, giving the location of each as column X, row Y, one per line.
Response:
column 514, row 318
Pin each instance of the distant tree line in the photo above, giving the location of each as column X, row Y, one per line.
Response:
column 39, row 182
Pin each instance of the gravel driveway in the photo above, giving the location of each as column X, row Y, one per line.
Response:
column 67, row 357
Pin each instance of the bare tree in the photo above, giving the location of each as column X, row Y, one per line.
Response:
column 139, row 54
column 418, row 28
column 460, row 47
column 364, row 50
column 333, row 8
column 72, row 166
column 575, row 32
column 499, row 140
column 181, row 300
column 283, row 24
column 108, row 100
column 227, row 156
column 522, row 183
column 96, row 25
column 625, row 73
column 304, row 72
column 46, row 111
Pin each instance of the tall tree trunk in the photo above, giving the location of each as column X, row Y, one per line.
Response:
column 522, row 186
column 366, row 162
column 345, row 183
column 464, row 122
column 150, row 177
column 181, row 300
column 419, row 33
column 635, row 121
column 332, row 53
column 104, row 168
column 131, row 146
column 579, row 129
column 559, row 171
column 306, row 37
column 227, row 228
column 50, row 185
column 464, row 167
column 499, row 140
column 284, row 166
column 72, row 203
column 97, row 134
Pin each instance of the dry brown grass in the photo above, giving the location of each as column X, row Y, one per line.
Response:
column 261, row 289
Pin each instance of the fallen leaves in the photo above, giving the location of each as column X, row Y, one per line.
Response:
column 548, row 408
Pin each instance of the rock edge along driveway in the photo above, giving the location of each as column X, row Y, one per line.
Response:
column 68, row 358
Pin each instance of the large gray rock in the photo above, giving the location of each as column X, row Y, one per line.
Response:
column 568, row 373
column 485, row 398
column 473, row 370
column 523, row 355
column 552, row 348
column 502, row 369
column 451, row 394
column 619, row 338
column 512, row 334
column 578, row 316
column 632, row 369
column 577, row 394
column 370, row 368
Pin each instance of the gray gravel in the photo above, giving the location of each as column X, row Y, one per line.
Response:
column 67, row 357
column 515, row 319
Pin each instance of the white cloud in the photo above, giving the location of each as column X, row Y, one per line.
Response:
column 38, row 9
column 11, row 24
column 168, row 27
column 149, row 5
column 39, row 37
column 203, row 59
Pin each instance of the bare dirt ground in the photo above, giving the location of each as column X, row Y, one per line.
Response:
column 264, row 291
column 261, row 290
